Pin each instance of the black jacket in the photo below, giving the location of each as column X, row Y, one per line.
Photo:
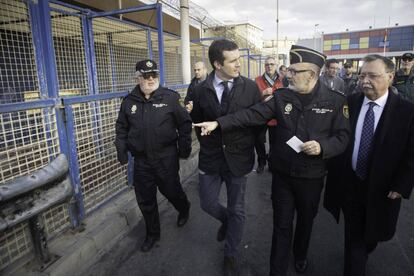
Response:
column 324, row 120
column 154, row 127
column 190, row 90
column 350, row 84
column 405, row 85
column 391, row 168
column 235, row 148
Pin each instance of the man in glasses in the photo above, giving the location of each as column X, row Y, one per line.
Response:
column 156, row 130
column 267, row 83
column 312, row 127
column 377, row 169
column 404, row 78
column 330, row 77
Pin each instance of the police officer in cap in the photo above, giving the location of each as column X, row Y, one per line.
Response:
column 404, row 77
column 312, row 128
column 156, row 130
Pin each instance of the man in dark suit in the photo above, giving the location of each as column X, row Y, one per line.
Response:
column 377, row 169
column 312, row 127
column 227, row 157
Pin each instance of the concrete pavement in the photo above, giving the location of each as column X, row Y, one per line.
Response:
column 193, row 250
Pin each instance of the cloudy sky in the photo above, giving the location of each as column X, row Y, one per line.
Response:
column 297, row 18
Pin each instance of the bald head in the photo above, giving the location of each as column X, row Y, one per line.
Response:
column 200, row 70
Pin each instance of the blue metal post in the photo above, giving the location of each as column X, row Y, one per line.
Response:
column 93, row 77
column 149, row 43
column 74, row 162
column 160, row 43
column 112, row 61
column 90, row 55
column 51, row 81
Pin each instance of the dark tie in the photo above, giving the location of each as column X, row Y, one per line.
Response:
column 224, row 103
column 365, row 143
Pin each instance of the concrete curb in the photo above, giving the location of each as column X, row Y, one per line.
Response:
column 104, row 229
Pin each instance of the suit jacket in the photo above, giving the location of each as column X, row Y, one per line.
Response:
column 235, row 148
column 391, row 167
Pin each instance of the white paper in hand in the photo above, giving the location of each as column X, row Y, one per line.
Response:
column 295, row 144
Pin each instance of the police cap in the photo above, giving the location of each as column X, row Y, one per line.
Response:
column 146, row 66
column 409, row 56
column 302, row 54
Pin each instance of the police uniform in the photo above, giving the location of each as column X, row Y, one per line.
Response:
column 156, row 131
column 321, row 115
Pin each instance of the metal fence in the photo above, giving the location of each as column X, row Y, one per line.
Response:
column 63, row 72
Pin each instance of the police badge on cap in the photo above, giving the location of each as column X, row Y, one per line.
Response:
column 302, row 54
column 146, row 66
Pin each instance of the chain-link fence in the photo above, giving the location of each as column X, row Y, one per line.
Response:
column 62, row 77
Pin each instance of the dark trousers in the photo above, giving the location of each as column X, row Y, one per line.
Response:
column 260, row 147
column 233, row 215
column 290, row 194
column 161, row 173
column 356, row 248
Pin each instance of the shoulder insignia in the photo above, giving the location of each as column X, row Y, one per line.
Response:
column 345, row 111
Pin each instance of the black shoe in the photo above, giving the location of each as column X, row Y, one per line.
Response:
column 301, row 266
column 260, row 168
column 230, row 266
column 149, row 243
column 183, row 217
column 221, row 233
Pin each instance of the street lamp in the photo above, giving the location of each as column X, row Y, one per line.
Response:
column 314, row 37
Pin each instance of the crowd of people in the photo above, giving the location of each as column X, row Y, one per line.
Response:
column 343, row 133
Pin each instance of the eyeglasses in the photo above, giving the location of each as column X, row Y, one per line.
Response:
column 370, row 76
column 294, row 72
column 269, row 64
column 146, row 76
column 407, row 59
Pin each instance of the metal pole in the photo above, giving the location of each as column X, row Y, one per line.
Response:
column 185, row 41
column 277, row 31
column 160, row 31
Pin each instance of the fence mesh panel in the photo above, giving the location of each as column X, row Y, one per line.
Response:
column 69, row 53
column 100, row 173
column 118, row 47
column 18, row 71
column 28, row 141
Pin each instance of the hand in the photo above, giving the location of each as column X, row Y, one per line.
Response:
column 189, row 106
column 268, row 91
column 311, row 148
column 207, row 127
column 393, row 195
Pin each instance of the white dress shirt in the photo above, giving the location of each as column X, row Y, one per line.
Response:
column 378, row 108
column 219, row 87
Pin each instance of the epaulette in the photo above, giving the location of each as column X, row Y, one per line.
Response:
column 170, row 90
column 337, row 92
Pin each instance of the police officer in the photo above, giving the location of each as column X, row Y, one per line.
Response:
column 156, row 130
column 307, row 111
column 404, row 78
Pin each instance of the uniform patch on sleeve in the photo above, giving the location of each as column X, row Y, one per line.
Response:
column 345, row 111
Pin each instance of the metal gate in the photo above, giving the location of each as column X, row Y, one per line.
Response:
column 63, row 72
